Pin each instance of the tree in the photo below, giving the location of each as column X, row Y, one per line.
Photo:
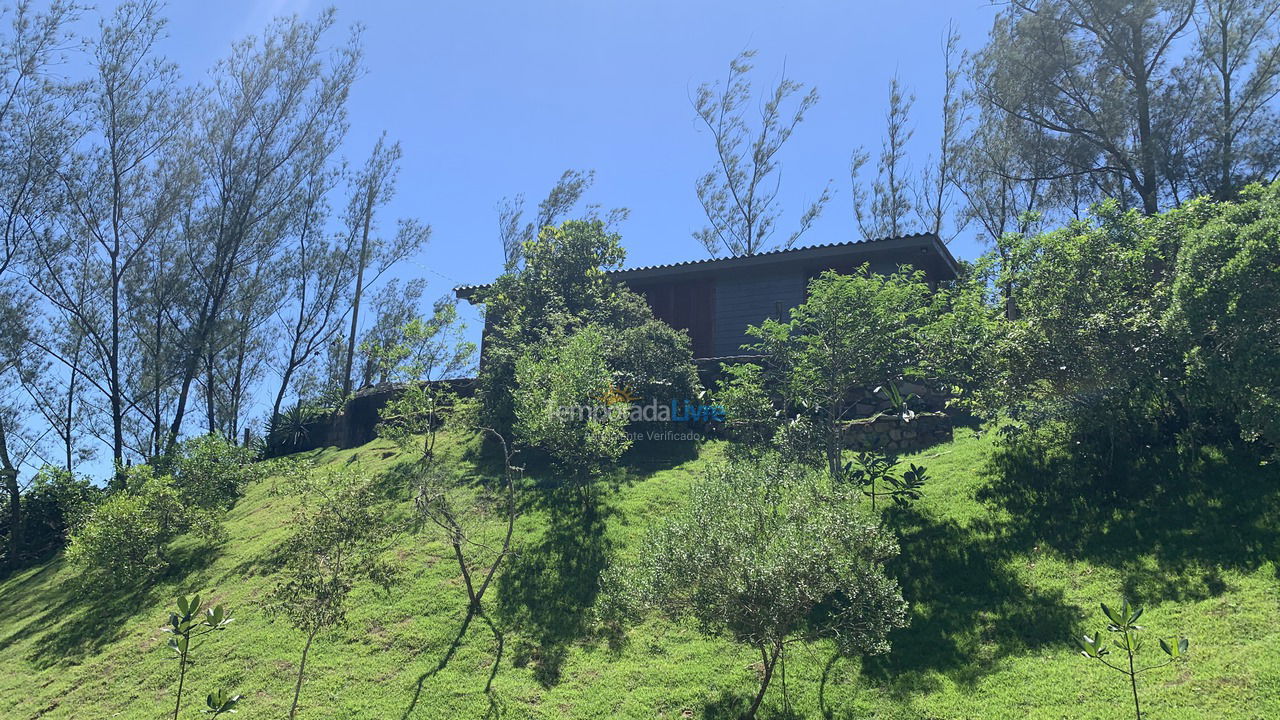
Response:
column 317, row 273
column 428, row 352
column 380, row 346
column 373, row 187
column 740, row 195
column 481, row 552
column 935, row 196
column 1232, row 80
column 853, row 332
column 563, row 197
column 1094, row 73
column 33, row 143
column 1223, row 310
column 121, row 194
column 275, row 113
column 339, row 533
column 885, row 212
column 768, row 555
column 562, row 283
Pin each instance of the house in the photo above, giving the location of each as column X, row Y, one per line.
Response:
column 715, row 299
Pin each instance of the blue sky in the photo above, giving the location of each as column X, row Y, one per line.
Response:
column 490, row 99
column 494, row 98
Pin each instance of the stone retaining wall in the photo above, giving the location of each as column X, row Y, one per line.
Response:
column 889, row 434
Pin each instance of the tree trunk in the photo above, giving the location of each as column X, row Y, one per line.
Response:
column 355, row 300
column 769, row 661
column 10, row 475
column 302, row 667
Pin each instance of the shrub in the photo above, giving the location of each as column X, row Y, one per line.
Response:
column 560, row 403
column 55, row 505
column 1226, row 296
column 765, row 553
column 212, row 473
column 563, row 287
column 124, row 540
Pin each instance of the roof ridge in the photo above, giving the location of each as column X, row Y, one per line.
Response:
column 775, row 251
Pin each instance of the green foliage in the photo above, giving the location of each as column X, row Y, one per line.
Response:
column 291, row 428
column 427, row 352
column 424, row 348
column 55, row 505
column 1123, row 623
column 212, row 473
column 879, row 477
column 186, row 627
column 1131, row 332
column 561, row 287
column 853, row 332
column 751, row 416
column 339, row 533
column 219, row 702
column 766, row 553
column 560, row 403
column 124, row 541
column 1226, row 311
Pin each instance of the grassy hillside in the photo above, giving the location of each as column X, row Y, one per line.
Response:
column 999, row 575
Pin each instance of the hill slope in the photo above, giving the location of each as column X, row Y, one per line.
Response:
column 995, row 599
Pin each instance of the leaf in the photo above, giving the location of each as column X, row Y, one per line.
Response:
column 1111, row 615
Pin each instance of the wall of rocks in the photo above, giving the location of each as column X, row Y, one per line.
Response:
column 891, row 434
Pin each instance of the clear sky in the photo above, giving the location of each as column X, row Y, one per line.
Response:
column 490, row 99
column 494, row 98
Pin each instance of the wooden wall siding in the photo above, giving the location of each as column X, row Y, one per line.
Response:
column 744, row 299
column 687, row 305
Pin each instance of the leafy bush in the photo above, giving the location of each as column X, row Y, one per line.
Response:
column 751, row 416
column 767, row 553
column 560, row 403
column 561, row 288
column 124, row 541
column 54, row 506
column 1226, row 312
column 212, row 473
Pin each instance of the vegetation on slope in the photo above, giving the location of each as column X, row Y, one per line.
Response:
column 1000, row 577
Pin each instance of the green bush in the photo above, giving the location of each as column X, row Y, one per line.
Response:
column 562, row 287
column 210, row 472
column 767, row 553
column 1226, row 312
column 54, row 506
column 125, row 540
column 560, row 403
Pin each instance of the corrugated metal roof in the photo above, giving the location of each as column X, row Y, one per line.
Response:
column 731, row 258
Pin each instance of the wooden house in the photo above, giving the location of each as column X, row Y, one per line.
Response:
column 715, row 299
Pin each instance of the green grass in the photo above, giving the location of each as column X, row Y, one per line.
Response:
column 1000, row 571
